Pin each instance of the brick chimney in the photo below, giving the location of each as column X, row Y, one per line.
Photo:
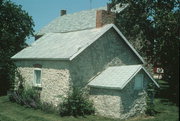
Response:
column 63, row 12
column 104, row 17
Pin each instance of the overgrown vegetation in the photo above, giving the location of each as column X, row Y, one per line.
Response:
column 150, row 109
column 76, row 104
column 152, row 26
column 28, row 97
column 15, row 112
column 48, row 107
column 15, row 26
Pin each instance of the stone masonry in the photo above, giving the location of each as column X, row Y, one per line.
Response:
column 120, row 103
column 58, row 76
column 55, row 79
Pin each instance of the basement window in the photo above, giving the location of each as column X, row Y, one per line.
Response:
column 138, row 82
column 37, row 77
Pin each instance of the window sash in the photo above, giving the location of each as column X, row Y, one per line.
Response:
column 37, row 77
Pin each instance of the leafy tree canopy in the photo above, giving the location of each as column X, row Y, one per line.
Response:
column 15, row 26
column 152, row 26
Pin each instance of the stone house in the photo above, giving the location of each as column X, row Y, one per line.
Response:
column 86, row 49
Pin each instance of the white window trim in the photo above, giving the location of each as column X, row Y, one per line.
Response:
column 142, row 82
column 34, row 81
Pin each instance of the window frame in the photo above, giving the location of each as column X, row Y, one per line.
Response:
column 141, row 86
column 34, row 77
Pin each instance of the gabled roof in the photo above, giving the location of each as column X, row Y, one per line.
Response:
column 77, row 21
column 118, row 77
column 66, row 46
column 61, row 46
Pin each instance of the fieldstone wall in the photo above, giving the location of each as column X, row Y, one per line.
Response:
column 120, row 103
column 106, row 102
column 55, row 79
column 108, row 50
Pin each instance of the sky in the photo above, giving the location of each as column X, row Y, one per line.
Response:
column 44, row 11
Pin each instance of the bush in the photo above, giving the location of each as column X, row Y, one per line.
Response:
column 47, row 107
column 150, row 109
column 14, row 96
column 31, row 98
column 27, row 97
column 76, row 104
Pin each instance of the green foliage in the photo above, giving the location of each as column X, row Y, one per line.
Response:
column 7, row 75
column 14, row 112
column 28, row 97
column 19, row 82
column 152, row 26
column 76, row 104
column 150, row 110
column 15, row 26
column 47, row 107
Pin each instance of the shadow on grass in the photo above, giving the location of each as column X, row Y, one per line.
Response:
column 166, row 93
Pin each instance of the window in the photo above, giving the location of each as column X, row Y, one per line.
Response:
column 37, row 77
column 138, row 82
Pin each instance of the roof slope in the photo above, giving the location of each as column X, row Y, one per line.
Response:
column 66, row 46
column 117, row 77
column 61, row 46
column 76, row 21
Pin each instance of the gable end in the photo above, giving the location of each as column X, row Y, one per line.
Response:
column 108, row 27
column 129, row 45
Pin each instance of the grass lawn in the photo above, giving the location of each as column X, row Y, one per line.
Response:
column 14, row 112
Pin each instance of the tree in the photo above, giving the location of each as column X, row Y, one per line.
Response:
column 152, row 26
column 15, row 26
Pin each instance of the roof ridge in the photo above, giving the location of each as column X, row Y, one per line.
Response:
column 104, row 28
column 132, row 76
column 68, row 15
column 80, row 20
column 75, row 30
column 71, row 31
column 94, row 9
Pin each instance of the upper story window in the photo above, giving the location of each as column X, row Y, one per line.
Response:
column 37, row 77
column 138, row 82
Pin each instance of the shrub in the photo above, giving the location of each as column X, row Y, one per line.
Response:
column 47, row 107
column 31, row 98
column 28, row 97
column 150, row 109
column 76, row 104
column 14, row 96
column 15, row 93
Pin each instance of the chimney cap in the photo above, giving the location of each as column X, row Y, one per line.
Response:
column 63, row 12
